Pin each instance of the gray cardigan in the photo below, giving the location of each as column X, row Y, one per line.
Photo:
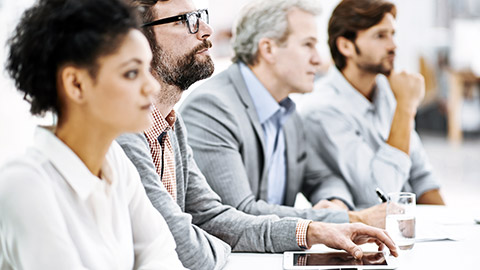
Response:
column 198, row 218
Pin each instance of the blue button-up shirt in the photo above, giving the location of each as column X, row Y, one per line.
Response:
column 272, row 115
column 350, row 133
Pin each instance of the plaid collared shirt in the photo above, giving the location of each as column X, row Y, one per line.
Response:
column 162, row 150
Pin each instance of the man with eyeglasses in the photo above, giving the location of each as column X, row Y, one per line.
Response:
column 173, row 182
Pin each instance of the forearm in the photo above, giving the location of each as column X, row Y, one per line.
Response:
column 408, row 89
column 431, row 197
column 261, row 207
column 401, row 128
column 247, row 233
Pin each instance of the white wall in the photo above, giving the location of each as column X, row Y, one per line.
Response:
column 414, row 35
column 16, row 124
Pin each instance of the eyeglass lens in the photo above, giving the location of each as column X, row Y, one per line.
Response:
column 193, row 22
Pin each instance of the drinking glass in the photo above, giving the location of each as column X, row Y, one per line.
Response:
column 400, row 220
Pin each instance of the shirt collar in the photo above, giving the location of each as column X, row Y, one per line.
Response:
column 160, row 124
column 265, row 105
column 344, row 88
column 70, row 166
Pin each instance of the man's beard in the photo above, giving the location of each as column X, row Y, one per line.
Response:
column 184, row 71
column 373, row 67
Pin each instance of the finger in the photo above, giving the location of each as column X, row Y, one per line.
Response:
column 353, row 249
column 381, row 235
column 380, row 245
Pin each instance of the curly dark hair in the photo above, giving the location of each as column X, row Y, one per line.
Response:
column 53, row 33
column 351, row 16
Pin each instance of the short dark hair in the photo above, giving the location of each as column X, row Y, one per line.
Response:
column 147, row 14
column 145, row 7
column 53, row 33
column 351, row 16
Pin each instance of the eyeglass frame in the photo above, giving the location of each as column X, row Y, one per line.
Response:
column 182, row 17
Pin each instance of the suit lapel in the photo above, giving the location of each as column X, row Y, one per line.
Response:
column 291, row 156
column 242, row 91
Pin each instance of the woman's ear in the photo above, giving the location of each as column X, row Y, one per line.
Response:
column 345, row 47
column 266, row 50
column 73, row 81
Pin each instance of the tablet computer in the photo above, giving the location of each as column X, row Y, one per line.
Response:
column 337, row 260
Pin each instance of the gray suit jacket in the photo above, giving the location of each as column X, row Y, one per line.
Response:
column 227, row 139
column 198, row 219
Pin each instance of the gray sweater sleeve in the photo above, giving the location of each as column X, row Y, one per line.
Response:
column 196, row 248
column 204, row 209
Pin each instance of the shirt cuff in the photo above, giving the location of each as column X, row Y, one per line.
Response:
column 301, row 233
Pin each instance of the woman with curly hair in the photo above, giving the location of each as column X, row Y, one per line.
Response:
column 74, row 200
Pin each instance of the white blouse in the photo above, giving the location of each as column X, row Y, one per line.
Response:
column 55, row 214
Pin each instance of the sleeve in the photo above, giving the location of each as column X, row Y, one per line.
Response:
column 204, row 209
column 196, row 248
column 422, row 178
column 32, row 227
column 214, row 135
column 153, row 242
column 363, row 167
column 243, row 232
column 319, row 181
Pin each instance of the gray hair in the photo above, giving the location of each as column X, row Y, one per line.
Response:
column 265, row 19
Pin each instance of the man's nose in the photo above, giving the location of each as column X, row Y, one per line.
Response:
column 204, row 30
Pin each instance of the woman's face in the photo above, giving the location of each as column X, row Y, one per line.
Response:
column 121, row 95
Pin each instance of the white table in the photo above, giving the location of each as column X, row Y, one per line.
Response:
column 463, row 253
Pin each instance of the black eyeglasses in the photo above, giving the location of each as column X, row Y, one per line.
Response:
column 191, row 18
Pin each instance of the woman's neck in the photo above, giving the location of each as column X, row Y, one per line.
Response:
column 88, row 141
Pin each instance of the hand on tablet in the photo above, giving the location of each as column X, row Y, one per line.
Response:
column 348, row 237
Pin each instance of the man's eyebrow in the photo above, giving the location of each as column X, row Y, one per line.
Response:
column 178, row 14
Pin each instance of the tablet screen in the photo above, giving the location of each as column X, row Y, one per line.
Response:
column 337, row 258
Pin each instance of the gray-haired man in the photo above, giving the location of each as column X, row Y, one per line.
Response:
column 178, row 35
column 246, row 136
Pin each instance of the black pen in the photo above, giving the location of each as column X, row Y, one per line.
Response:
column 381, row 195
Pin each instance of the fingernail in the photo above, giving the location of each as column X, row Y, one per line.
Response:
column 357, row 254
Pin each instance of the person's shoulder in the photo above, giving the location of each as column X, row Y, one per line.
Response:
column 25, row 174
column 132, row 145
column 121, row 167
column 216, row 91
column 116, row 156
column 128, row 140
column 323, row 99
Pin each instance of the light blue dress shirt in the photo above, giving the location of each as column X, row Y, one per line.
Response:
column 272, row 115
column 350, row 133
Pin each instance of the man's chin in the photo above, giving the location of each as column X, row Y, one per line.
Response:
column 386, row 72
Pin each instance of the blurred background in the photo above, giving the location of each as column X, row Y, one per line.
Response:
column 438, row 38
